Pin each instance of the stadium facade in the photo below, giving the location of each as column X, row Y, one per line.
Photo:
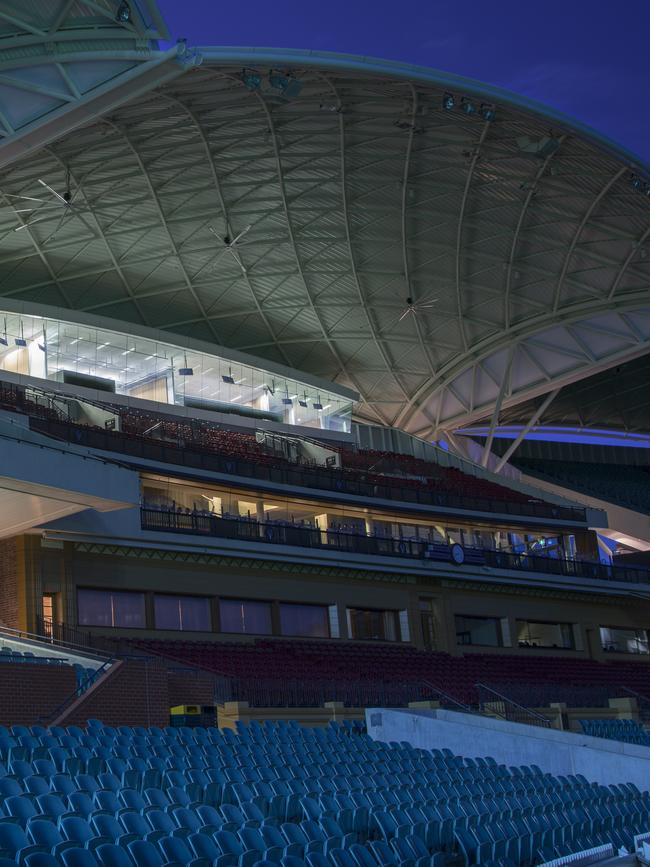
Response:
column 262, row 314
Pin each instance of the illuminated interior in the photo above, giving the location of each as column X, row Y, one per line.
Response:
column 142, row 368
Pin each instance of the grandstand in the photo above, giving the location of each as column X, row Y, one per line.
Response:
column 323, row 409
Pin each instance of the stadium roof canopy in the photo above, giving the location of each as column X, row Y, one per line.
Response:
column 520, row 237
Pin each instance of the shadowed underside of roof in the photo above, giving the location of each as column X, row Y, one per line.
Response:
column 527, row 265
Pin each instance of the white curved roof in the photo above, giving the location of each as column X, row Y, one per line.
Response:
column 524, row 232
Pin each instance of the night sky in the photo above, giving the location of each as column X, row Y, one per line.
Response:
column 588, row 59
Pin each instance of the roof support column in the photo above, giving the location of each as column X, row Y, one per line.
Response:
column 505, row 385
column 514, row 445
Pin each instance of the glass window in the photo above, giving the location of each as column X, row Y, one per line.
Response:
column 186, row 613
column 483, row 631
column 531, row 633
column 245, row 616
column 372, row 625
column 616, row 640
column 310, row 621
column 111, row 608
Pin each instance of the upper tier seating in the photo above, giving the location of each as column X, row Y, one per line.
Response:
column 306, row 673
column 374, row 467
column 295, row 797
column 626, row 486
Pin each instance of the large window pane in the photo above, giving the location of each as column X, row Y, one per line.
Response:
column 616, row 640
column 306, row 620
column 532, row 633
column 483, row 631
column 187, row 613
column 245, row 616
column 111, row 608
column 372, row 624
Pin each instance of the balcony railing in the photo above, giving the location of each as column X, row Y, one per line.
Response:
column 303, row 536
column 193, row 456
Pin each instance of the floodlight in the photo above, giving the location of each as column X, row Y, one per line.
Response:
column 123, row 14
column 317, row 405
column 487, row 112
column 467, row 106
column 228, row 379
column 277, row 79
column 302, row 403
column 287, row 401
column 20, row 341
column 636, row 182
column 252, row 79
column 448, row 102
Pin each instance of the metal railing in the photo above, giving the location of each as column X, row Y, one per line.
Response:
column 251, row 530
column 196, row 456
column 643, row 703
column 447, row 700
column 493, row 702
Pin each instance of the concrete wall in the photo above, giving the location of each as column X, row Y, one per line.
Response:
column 600, row 760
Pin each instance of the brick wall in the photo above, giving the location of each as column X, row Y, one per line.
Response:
column 190, row 687
column 9, row 583
column 134, row 694
column 29, row 691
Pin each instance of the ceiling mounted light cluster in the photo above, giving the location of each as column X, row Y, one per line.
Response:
column 640, row 185
column 469, row 106
column 123, row 14
column 279, row 87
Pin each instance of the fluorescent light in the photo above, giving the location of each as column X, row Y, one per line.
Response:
column 238, row 397
column 132, row 349
column 72, row 342
column 239, row 381
column 327, row 406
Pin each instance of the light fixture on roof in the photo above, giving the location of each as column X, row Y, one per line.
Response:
column 229, row 379
column 637, row 183
column 123, row 14
column 286, row 400
column 283, row 86
column 467, row 106
column 20, row 341
column 448, row 102
column 230, row 245
column 317, row 404
column 303, row 402
column 487, row 112
column 185, row 371
column 251, row 78
column 49, row 207
column 414, row 307
column 542, row 147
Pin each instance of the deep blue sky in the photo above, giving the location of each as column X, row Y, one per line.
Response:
column 588, row 59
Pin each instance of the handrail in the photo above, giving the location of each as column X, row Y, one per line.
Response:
column 86, row 650
column 251, row 530
column 539, row 720
column 636, row 694
column 450, row 698
column 79, row 690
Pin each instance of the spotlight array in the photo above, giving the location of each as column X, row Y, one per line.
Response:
column 123, row 14
column 469, row 106
column 640, row 185
column 277, row 87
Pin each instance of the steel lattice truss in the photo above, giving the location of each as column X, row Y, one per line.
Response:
column 360, row 193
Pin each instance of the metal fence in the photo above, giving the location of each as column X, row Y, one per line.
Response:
column 248, row 530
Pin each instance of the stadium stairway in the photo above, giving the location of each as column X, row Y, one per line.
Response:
column 285, row 795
